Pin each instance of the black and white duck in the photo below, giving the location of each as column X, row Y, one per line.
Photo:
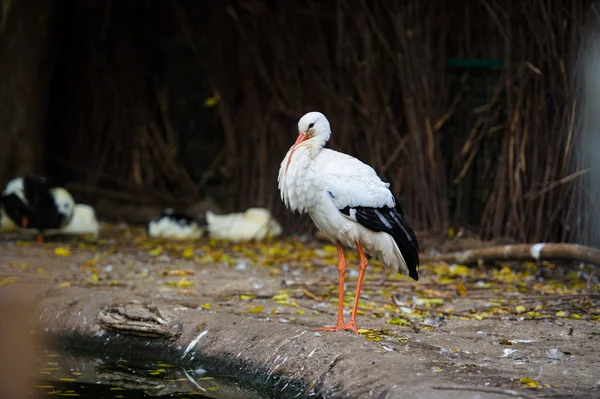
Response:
column 36, row 203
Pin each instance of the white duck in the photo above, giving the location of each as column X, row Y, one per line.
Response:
column 174, row 225
column 254, row 224
column 349, row 203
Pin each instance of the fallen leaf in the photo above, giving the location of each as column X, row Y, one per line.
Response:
column 8, row 280
column 178, row 272
column 280, row 297
column 561, row 313
column 156, row 251
column 461, row 289
column 530, row 383
column 184, row 283
column 206, row 306
column 65, row 284
column 256, row 309
column 19, row 266
column 62, row 251
column 398, row 321
column 520, row 309
column 188, row 253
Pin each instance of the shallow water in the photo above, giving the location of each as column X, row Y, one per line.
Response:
column 68, row 374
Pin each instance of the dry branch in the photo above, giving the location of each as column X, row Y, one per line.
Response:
column 522, row 252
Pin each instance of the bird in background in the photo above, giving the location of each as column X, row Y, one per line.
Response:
column 34, row 202
column 349, row 203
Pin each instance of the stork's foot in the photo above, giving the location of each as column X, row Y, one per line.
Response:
column 40, row 239
column 351, row 326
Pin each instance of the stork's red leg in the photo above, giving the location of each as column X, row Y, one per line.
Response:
column 363, row 268
column 40, row 238
column 342, row 272
column 24, row 221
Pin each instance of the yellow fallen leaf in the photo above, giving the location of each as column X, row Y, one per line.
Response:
column 178, row 272
column 247, row 297
column 184, row 283
column 157, row 372
column 459, row 270
column 399, row 322
column 188, row 253
column 280, row 297
column 461, row 289
column 520, row 309
column 575, row 316
column 451, row 233
column 62, row 251
column 206, row 306
column 298, row 311
column 8, row 280
column 65, row 284
column 212, row 101
column 91, row 262
column 156, row 251
column 256, row 309
column 19, row 266
column 529, row 382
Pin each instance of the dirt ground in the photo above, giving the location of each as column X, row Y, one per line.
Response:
column 528, row 327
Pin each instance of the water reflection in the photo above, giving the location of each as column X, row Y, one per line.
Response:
column 70, row 374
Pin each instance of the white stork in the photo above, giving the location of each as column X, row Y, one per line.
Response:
column 349, row 203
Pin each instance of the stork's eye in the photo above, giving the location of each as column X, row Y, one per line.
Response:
column 311, row 125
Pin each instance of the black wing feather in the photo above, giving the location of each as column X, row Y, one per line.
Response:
column 40, row 208
column 391, row 220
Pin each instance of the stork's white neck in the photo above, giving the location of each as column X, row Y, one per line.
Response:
column 312, row 147
column 296, row 179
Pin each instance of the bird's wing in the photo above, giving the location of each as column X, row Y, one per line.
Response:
column 357, row 191
column 350, row 182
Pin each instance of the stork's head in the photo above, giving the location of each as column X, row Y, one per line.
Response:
column 314, row 125
column 314, row 130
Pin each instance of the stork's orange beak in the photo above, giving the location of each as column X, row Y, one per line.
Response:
column 302, row 137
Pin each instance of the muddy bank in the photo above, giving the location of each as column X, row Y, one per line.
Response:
column 250, row 311
column 290, row 360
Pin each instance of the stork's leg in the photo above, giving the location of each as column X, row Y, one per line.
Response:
column 341, row 272
column 24, row 221
column 363, row 268
column 40, row 238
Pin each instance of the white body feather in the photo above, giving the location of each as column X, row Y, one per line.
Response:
column 83, row 222
column 168, row 228
column 321, row 181
column 254, row 224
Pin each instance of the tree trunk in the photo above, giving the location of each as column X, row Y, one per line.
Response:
column 28, row 43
